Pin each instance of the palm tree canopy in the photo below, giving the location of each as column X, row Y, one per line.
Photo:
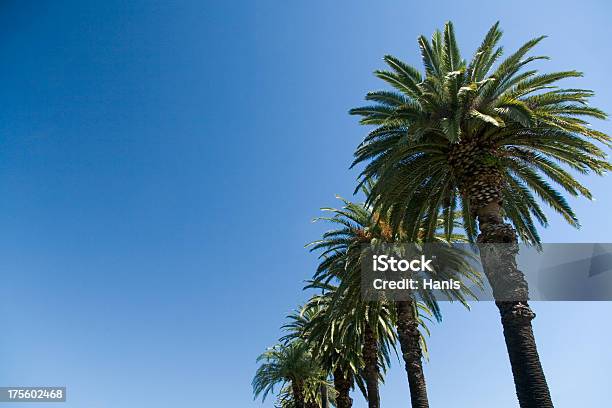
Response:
column 341, row 254
column 323, row 328
column 337, row 331
column 286, row 363
column 463, row 134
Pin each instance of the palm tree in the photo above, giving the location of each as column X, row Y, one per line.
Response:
column 292, row 366
column 352, row 340
column 482, row 140
column 366, row 325
column 340, row 359
column 341, row 260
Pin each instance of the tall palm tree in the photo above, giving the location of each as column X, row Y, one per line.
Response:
column 367, row 325
column 341, row 259
column 340, row 359
column 289, row 365
column 352, row 340
column 482, row 138
column 340, row 256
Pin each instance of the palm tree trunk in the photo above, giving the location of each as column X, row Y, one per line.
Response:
column 370, row 358
column 410, row 342
column 499, row 264
column 343, row 381
column 298, row 393
column 324, row 398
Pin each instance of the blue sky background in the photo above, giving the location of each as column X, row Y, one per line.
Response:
column 160, row 163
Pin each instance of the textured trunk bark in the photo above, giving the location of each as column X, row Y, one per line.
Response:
column 324, row 398
column 370, row 357
column 511, row 293
column 343, row 381
column 409, row 338
column 298, row 394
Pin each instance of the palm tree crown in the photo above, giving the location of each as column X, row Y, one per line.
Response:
column 463, row 135
column 289, row 365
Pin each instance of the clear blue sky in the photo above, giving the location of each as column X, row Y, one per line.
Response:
column 160, row 163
